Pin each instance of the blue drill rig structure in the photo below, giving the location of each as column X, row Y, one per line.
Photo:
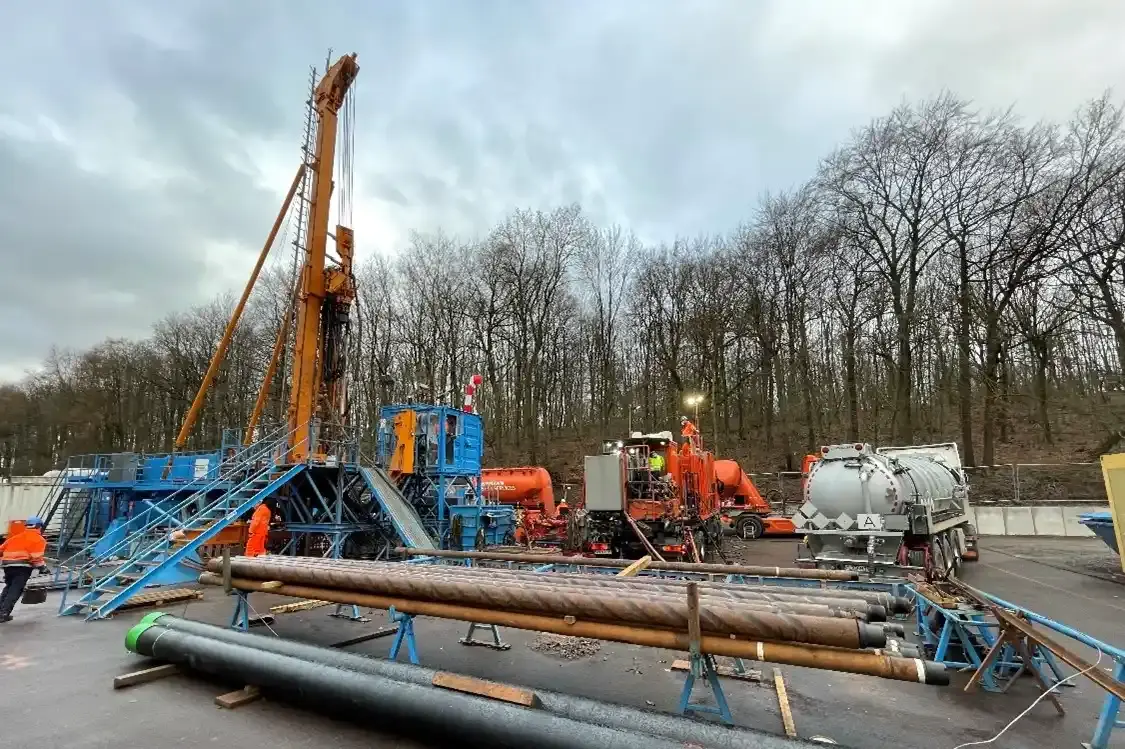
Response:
column 125, row 522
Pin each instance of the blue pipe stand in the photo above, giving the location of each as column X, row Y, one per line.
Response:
column 354, row 616
column 1107, row 719
column 495, row 644
column 240, row 619
column 405, row 634
column 703, row 664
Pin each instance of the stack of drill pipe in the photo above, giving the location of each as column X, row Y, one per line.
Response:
column 840, row 607
column 654, row 621
column 699, row 568
column 723, row 617
column 857, row 600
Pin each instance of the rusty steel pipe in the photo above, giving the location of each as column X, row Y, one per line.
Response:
column 809, row 656
column 703, row 569
column 847, row 609
column 727, row 591
column 725, row 618
column 855, row 599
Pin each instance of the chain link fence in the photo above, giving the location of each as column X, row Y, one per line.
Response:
column 1010, row 483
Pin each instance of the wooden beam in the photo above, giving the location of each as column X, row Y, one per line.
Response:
column 751, row 674
column 483, row 688
column 239, row 697
column 144, row 676
column 289, row 608
column 635, row 567
column 783, row 703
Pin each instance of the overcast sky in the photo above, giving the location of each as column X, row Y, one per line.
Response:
column 145, row 146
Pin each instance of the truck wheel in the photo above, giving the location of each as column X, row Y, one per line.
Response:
column 750, row 527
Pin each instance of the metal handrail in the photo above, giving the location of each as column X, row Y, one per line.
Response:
column 238, row 460
column 157, row 542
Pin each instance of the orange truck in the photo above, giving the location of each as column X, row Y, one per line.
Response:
column 648, row 492
column 744, row 509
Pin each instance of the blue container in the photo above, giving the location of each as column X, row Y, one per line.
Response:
column 1101, row 523
column 482, row 525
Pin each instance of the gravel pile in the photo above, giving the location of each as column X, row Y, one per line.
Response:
column 567, row 648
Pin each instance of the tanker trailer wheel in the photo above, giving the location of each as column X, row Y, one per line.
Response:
column 952, row 557
column 750, row 527
column 938, row 566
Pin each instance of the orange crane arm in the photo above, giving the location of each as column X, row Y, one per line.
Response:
column 224, row 343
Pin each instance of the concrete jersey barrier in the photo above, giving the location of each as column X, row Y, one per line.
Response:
column 1059, row 521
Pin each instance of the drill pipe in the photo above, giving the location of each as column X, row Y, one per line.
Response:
column 841, row 598
column 809, row 656
column 706, row 569
column 847, row 607
column 672, row 612
column 549, row 583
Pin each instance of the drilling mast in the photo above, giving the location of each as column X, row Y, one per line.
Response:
column 317, row 396
column 317, row 393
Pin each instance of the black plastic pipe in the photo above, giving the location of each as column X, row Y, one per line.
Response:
column 429, row 714
column 580, row 709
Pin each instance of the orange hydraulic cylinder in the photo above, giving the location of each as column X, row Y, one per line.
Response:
column 528, row 486
column 737, row 486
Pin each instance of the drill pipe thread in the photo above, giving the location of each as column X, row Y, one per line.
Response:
column 839, row 598
column 809, row 656
column 724, row 618
column 713, row 569
column 548, row 582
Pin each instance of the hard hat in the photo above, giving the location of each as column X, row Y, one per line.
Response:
column 34, row 522
column 683, row 419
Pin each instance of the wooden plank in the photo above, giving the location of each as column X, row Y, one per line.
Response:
column 271, row 585
column 783, row 703
column 289, row 608
column 750, row 674
column 238, row 698
column 384, row 632
column 144, row 676
column 635, row 567
column 161, row 597
column 483, row 688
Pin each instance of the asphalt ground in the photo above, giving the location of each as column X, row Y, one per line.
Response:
column 56, row 674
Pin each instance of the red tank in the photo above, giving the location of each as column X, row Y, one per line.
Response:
column 528, row 487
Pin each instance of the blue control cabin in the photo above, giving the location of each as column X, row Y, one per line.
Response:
column 433, row 454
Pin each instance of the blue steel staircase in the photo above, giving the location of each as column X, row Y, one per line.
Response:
column 151, row 555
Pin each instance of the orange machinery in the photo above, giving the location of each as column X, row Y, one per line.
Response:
column 744, row 509
column 635, row 505
column 529, row 489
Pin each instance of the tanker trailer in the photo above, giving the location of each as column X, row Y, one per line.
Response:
column 888, row 511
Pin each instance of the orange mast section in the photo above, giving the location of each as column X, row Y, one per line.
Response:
column 320, row 286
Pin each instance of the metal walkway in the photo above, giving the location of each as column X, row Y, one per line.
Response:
column 400, row 512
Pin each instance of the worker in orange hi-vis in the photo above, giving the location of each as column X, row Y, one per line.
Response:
column 689, row 430
column 21, row 555
column 259, row 529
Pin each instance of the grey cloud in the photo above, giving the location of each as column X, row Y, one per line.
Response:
column 682, row 112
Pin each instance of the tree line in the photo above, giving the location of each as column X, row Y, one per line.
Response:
column 948, row 274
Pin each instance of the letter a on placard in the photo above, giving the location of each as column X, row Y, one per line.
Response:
column 869, row 522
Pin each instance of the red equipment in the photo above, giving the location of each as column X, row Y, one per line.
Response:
column 529, row 488
column 743, row 506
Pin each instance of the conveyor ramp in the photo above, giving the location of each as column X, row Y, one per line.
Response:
column 401, row 513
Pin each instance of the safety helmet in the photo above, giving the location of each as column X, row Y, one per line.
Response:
column 683, row 419
column 34, row 522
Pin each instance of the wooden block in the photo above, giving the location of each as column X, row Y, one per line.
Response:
column 288, row 608
column 635, row 567
column 482, row 688
column 783, row 703
column 144, row 676
column 750, row 674
column 238, row 698
column 271, row 585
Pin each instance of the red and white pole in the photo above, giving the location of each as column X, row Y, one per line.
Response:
column 470, row 392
